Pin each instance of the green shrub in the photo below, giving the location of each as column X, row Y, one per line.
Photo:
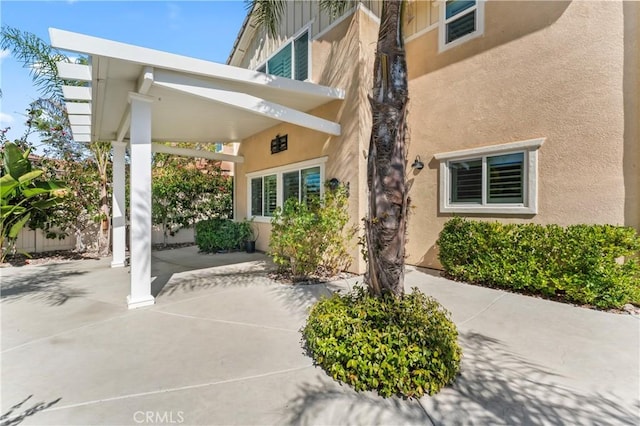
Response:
column 310, row 238
column 219, row 234
column 580, row 263
column 406, row 346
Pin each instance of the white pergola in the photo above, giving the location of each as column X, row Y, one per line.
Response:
column 137, row 96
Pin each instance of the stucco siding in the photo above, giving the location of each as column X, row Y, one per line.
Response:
column 534, row 73
column 341, row 58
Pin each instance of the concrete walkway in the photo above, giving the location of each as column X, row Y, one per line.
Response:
column 221, row 346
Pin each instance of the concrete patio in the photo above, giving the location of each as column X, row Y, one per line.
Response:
column 221, row 346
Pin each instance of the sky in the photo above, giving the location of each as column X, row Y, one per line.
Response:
column 201, row 29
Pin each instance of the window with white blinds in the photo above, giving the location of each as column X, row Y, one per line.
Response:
column 502, row 175
column 291, row 61
column 460, row 20
column 269, row 189
column 493, row 179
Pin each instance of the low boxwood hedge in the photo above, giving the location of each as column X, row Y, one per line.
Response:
column 214, row 235
column 586, row 264
column 396, row 346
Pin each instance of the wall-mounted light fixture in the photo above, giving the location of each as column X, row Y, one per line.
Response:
column 418, row 164
column 334, row 183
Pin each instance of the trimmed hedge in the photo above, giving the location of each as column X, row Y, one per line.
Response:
column 396, row 346
column 220, row 234
column 587, row 264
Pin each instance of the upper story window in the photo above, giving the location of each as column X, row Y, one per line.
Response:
column 493, row 179
column 291, row 61
column 460, row 20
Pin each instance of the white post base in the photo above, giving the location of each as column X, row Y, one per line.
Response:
column 139, row 303
column 118, row 264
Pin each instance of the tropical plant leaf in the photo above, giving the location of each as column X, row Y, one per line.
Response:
column 7, row 184
column 15, row 164
column 45, row 204
column 5, row 211
column 17, row 227
column 28, row 177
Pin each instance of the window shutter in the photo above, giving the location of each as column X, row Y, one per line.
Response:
column 301, row 51
column 310, row 183
column 256, row 196
column 291, row 185
column 454, row 7
column 506, row 175
column 461, row 27
column 280, row 64
column 466, row 181
column 270, row 194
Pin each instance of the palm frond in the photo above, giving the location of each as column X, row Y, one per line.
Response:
column 336, row 8
column 36, row 55
column 267, row 14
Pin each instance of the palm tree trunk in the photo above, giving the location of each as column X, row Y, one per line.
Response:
column 385, row 226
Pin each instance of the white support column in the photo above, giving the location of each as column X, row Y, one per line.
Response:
column 118, row 224
column 140, row 149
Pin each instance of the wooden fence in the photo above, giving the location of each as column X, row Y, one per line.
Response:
column 32, row 241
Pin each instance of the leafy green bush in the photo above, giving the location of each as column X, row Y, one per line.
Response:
column 310, row 238
column 219, row 234
column 580, row 263
column 397, row 346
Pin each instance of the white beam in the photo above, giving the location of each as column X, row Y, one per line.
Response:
column 123, row 127
column 82, row 108
column 77, row 42
column 140, row 240
column 77, row 93
column 79, row 120
column 144, row 84
column 81, row 129
column 145, row 80
column 196, row 153
column 118, row 201
column 207, row 90
column 82, row 137
column 69, row 71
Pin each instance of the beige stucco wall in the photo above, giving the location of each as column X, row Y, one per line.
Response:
column 541, row 69
column 340, row 59
column 535, row 72
column 631, row 89
column 299, row 14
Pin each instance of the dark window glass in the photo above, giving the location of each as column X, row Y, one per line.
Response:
column 291, row 185
column 461, row 27
column 301, row 49
column 456, row 6
column 506, row 178
column 280, row 64
column 466, row 181
column 256, row 196
column 310, row 183
column 270, row 195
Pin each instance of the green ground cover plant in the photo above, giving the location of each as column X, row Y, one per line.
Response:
column 586, row 264
column 403, row 346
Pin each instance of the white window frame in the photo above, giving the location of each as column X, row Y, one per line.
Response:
column 443, row 21
column 530, row 180
column 291, row 40
column 279, row 171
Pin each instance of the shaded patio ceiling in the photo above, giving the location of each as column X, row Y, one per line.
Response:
column 193, row 100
